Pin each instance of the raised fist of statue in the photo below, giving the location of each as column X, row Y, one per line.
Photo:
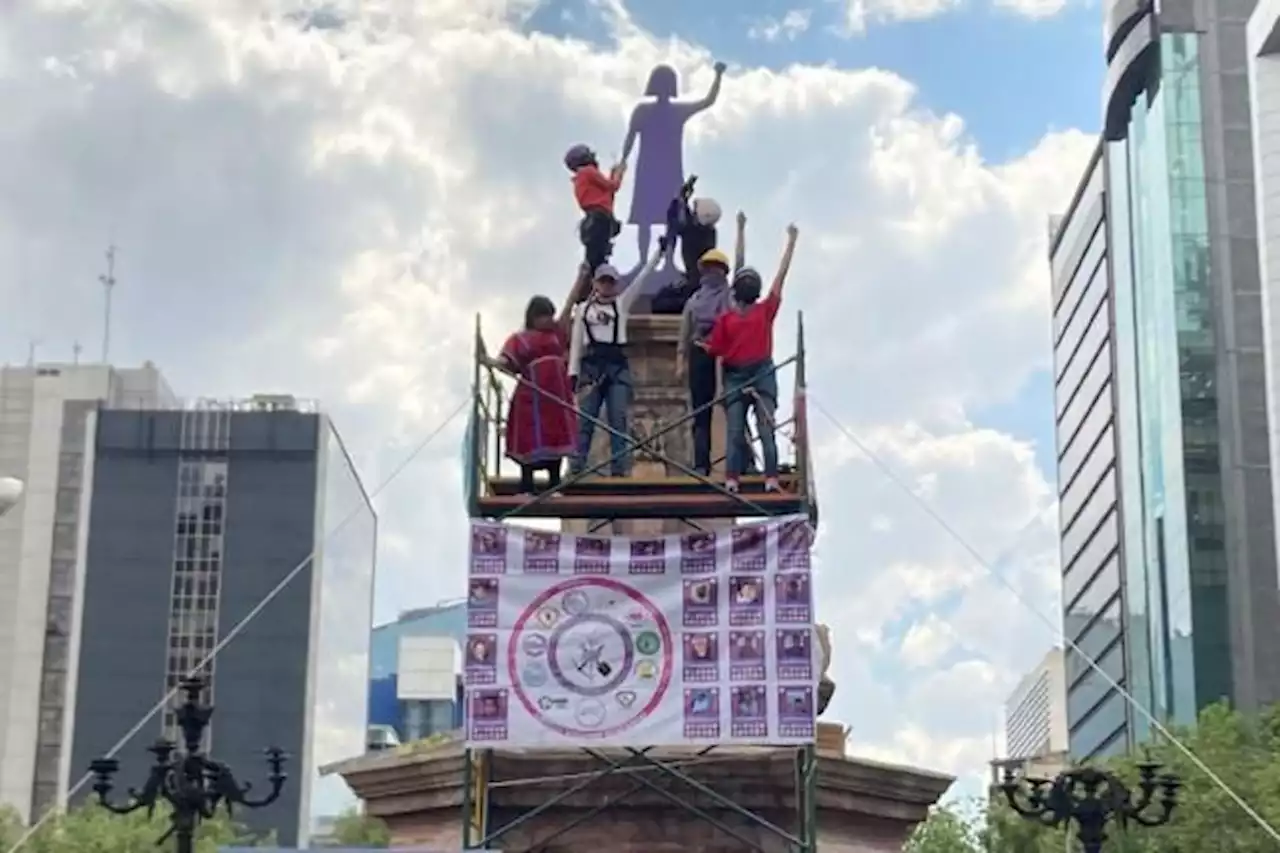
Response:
column 720, row 67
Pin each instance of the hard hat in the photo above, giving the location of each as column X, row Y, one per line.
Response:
column 578, row 156
column 10, row 493
column 606, row 271
column 706, row 211
column 714, row 256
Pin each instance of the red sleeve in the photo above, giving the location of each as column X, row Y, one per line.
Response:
column 597, row 177
column 772, row 303
column 513, row 351
column 715, row 342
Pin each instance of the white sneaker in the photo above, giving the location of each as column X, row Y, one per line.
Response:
column 731, row 485
column 771, row 484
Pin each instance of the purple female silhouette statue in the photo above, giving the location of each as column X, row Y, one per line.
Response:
column 658, row 125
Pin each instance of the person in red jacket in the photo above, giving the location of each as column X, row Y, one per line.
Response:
column 595, row 192
column 742, row 338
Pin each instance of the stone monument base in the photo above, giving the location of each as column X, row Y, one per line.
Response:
column 862, row 806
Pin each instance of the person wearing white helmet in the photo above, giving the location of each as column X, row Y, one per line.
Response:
column 693, row 222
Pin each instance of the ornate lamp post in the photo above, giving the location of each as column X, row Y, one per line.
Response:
column 192, row 783
column 1092, row 798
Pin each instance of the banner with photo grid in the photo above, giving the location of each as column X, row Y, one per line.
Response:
column 697, row 639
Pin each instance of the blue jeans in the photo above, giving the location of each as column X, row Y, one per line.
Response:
column 608, row 383
column 761, row 378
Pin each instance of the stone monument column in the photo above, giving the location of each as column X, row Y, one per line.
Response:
column 660, row 399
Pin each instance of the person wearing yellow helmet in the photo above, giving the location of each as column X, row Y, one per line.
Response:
column 708, row 302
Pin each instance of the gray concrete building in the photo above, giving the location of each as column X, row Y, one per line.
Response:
column 43, row 408
column 193, row 518
column 1195, row 553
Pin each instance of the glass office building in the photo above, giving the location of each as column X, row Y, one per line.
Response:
column 192, row 520
column 1195, row 605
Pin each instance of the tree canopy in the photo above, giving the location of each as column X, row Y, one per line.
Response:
column 353, row 829
column 1241, row 750
column 93, row 829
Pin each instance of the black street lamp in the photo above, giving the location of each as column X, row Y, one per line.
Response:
column 192, row 783
column 1092, row 798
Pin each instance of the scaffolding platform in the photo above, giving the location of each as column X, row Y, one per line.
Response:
column 493, row 490
column 635, row 497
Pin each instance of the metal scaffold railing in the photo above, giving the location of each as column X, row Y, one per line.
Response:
column 682, row 779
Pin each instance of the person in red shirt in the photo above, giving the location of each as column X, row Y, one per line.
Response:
column 595, row 192
column 742, row 338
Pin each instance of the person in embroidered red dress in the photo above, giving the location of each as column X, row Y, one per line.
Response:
column 542, row 423
column 742, row 339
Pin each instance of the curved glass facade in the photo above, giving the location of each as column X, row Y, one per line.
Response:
column 1170, row 472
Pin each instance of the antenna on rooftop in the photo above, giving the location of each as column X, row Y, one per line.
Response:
column 108, row 284
column 75, row 352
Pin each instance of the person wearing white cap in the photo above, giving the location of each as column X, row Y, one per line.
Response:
column 599, row 365
column 10, row 493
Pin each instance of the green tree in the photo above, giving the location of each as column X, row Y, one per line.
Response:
column 1240, row 749
column 92, row 829
column 946, row 830
column 353, row 829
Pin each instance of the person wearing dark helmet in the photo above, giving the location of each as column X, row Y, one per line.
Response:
column 595, row 192
column 742, row 339
column 598, row 360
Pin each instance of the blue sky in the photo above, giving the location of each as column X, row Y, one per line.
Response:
column 1012, row 78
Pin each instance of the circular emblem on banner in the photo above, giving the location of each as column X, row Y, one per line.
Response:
column 647, row 643
column 591, row 656
column 575, row 603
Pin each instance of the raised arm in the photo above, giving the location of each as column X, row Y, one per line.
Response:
column 628, row 296
column 713, row 93
column 566, row 310
column 577, row 331
column 610, row 182
column 784, row 266
column 740, row 243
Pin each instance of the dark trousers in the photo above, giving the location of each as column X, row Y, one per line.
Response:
column 527, row 473
column 702, row 390
column 597, row 230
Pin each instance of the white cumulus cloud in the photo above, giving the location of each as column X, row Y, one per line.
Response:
column 321, row 199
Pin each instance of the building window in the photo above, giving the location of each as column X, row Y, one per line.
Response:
column 197, row 568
